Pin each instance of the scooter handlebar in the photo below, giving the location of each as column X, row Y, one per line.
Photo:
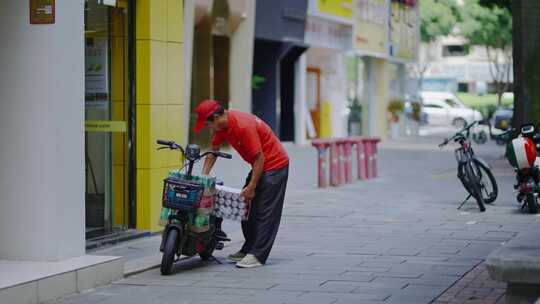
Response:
column 164, row 142
column 224, row 155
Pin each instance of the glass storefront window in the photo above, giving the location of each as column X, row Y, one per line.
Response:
column 105, row 106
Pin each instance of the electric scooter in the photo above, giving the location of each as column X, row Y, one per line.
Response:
column 182, row 196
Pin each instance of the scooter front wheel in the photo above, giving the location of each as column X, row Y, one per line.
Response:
column 169, row 252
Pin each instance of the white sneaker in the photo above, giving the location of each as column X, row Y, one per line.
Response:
column 236, row 257
column 249, row 261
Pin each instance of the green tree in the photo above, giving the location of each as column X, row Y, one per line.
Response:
column 437, row 19
column 490, row 27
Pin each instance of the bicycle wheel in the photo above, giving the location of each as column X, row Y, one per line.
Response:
column 488, row 184
column 474, row 185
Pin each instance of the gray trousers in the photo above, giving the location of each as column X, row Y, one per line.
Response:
column 261, row 228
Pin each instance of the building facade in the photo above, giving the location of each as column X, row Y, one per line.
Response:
column 279, row 42
column 449, row 60
column 88, row 89
column 329, row 35
column 387, row 35
column 218, row 56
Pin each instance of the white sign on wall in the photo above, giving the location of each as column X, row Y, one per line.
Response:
column 96, row 74
column 328, row 34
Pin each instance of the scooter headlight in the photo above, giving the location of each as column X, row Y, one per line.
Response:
column 193, row 152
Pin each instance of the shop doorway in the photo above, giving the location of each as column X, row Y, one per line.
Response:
column 106, row 104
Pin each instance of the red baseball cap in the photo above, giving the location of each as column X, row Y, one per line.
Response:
column 204, row 110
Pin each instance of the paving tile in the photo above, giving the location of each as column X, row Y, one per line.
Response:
column 368, row 242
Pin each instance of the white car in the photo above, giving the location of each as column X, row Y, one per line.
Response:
column 443, row 108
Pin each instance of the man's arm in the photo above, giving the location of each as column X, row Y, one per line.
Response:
column 209, row 161
column 257, row 170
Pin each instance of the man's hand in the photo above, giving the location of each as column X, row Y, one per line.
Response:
column 248, row 193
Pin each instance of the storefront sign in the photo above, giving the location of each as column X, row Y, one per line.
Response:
column 42, row 12
column 109, row 2
column 105, row 126
column 96, row 73
column 337, row 8
column 328, row 34
column 371, row 26
column 404, row 31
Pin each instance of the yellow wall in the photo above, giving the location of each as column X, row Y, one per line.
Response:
column 159, row 104
column 326, row 120
column 119, row 80
column 338, row 8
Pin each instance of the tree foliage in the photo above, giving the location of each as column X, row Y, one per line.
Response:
column 501, row 3
column 490, row 27
column 438, row 18
column 486, row 26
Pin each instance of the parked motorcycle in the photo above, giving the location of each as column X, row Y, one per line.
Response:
column 482, row 136
column 182, row 195
column 522, row 153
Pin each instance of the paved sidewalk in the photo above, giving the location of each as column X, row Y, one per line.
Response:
column 476, row 287
column 395, row 239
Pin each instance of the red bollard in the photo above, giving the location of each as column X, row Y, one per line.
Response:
column 341, row 161
column 334, row 164
column 367, row 160
column 371, row 156
column 360, row 157
column 346, row 161
column 322, row 149
column 374, row 159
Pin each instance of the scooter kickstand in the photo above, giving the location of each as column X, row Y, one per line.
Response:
column 468, row 197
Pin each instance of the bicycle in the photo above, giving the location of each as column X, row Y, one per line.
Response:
column 472, row 170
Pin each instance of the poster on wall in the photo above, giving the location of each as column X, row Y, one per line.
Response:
column 336, row 8
column 42, row 12
column 404, row 31
column 371, row 26
column 96, row 74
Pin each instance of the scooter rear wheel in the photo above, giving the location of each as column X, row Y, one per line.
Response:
column 531, row 203
column 169, row 252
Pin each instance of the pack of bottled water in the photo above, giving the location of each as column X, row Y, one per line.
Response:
column 230, row 204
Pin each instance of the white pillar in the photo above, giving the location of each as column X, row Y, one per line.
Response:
column 241, row 61
column 42, row 133
column 377, row 96
column 301, row 111
column 402, row 78
column 370, row 115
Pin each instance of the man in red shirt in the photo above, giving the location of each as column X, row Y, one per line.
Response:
column 266, row 183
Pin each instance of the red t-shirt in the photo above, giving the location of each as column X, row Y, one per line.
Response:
column 249, row 135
